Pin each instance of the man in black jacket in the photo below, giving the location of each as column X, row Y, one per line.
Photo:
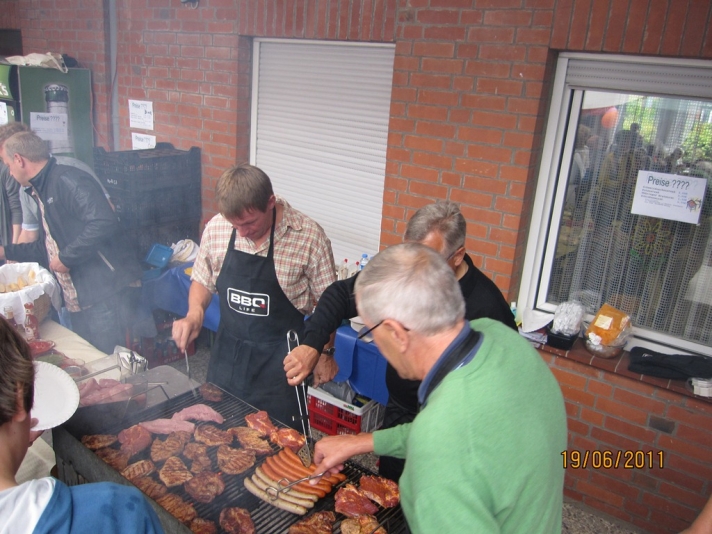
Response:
column 95, row 266
column 441, row 227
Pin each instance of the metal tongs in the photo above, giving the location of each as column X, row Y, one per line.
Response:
column 285, row 485
column 305, row 453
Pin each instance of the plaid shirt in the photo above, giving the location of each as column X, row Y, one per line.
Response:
column 303, row 258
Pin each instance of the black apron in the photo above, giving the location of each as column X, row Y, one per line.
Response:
column 251, row 343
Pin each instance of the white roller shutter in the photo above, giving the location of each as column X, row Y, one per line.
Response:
column 319, row 130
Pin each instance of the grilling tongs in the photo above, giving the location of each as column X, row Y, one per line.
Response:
column 305, row 453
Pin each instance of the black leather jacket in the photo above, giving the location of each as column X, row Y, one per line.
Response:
column 91, row 244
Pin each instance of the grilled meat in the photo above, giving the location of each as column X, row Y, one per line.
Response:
column 114, row 457
column 134, row 439
column 235, row 461
column 174, row 472
column 198, row 412
column 203, row 526
column 287, row 437
column 178, row 508
column 138, row 469
column 317, row 523
column 171, row 446
column 193, row 450
column 204, row 487
column 150, row 487
column 212, row 435
column 236, row 521
column 261, row 422
column 351, row 502
column 98, row 441
column 166, row 426
column 380, row 490
column 200, row 464
column 211, row 392
column 251, row 439
column 363, row 524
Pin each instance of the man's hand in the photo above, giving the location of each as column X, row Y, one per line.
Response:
column 331, row 452
column 325, row 370
column 57, row 266
column 299, row 363
column 2, row 253
column 186, row 330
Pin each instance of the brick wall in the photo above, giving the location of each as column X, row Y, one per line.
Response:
column 609, row 412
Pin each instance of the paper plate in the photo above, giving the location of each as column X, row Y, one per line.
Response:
column 56, row 396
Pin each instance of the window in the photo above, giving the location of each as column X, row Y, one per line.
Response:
column 610, row 118
column 320, row 126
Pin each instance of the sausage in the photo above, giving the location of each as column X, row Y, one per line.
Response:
column 285, row 495
column 272, row 470
column 295, row 473
column 279, row 503
column 293, row 459
column 300, row 494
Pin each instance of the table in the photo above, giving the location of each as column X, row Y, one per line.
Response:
column 361, row 364
column 170, row 292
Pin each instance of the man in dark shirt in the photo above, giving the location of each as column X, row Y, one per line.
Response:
column 441, row 227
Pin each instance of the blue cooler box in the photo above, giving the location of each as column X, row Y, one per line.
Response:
column 361, row 364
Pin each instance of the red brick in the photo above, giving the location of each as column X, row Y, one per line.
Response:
column 697, row 435
column 454, row 148
column 494, row 120
column 440, row 81
column 540, row 36
column 695, row 452
column 635, row 508
column 599, row 493
column 669, row 508
column 489, row 69
column 674, row 493
column 471, row 198
column 614, row 440
column 645, row 481
column 438, row 16
column 419, row 173
column 592, row 416
column 499, row 87
column 607, row 478
column 417, row 111
column 681, row 479
column 599, row 388
column 507, row 17
column 632, row 431
column 578, row 396
column 427, row 189
column 435, row 129
column 503, row 53
column 445, row 33
column 699, row 405
column 452, row 179
column 449, row 66
column 661, row 521
column 690, row 417
column 479, row 215
column 616, row 26
column 643, row 402
column 561, row 24
column 490, row 35
column 577, row 427
column 490, row 153
column 621, row 410
column 422, row 143
column 428, row 159
column 430, row 49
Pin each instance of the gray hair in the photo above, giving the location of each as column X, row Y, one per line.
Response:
column 29, row 145
column 445, row 217
column 413, row 285
column 10, row 129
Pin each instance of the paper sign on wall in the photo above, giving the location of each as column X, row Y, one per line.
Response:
column 669, row 196
column 3, row 113
column 142, row 141
column 141, row 114
column 50, row 126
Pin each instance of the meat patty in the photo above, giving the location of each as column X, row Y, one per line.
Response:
column 134, row 439
column 287, row 438
column 171, row 446
column 211, row 392
column 201, row 464
column 178, row 508
column 251, row 439
column 150, row 487
column 380, row 490
column 204, row 487
column 236, row 521
column 363, row 524
column 193, row 450
column 138, row 469
column 317, row 523
column 174, row 472
column 235, row 461
column 261, row 422
column 98, row 441
column 114, row 457
column 351, row 502
column 203, row 526
column 212, row 435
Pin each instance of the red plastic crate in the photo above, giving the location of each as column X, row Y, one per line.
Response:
column 332, row 416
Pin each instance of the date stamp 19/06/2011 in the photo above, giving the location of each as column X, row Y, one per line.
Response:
column 575, row 459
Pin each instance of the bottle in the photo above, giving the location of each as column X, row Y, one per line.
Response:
column 343, row 272
column 32, row 326
column 356, row 269
column 57, row 101
column 10, row 316
column 364, row 261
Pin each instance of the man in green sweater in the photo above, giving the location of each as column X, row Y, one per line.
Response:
column 484, row 453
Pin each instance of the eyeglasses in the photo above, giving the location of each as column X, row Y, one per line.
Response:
column 364, row 334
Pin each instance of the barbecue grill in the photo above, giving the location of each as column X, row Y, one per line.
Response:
column 75, row 457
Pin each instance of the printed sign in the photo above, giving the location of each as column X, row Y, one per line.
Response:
column 248, row 303
column 50, row 126
column 669, row 196
column 142, row 141
column 141, row 114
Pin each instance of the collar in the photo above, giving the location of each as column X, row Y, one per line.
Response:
column 442, row 362
column 41, row 176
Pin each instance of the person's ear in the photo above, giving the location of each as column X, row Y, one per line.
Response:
column 20, row 412
column 271, row 203
column 458, row 257
column 398, row 333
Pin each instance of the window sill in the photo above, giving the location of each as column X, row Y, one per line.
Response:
column 619, row 366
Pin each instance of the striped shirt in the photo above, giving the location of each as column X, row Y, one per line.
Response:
column 303, row 259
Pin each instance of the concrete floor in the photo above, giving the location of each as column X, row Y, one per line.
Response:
column 577, row 518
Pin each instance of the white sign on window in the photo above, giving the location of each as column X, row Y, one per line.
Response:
column 50, row 126
column 142, row 141
column 3, row 113
column 669, row 196
column 141, row 114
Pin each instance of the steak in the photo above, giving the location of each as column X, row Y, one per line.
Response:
column 115, row 458
column 380, row 490
column 198, row 412
column 351, row 502
column 204, row 487
column 200, row 464
column 287, row 438
column 174, row 472
column 138, row 469
column 150, row 487
column 98, row 441
column 171, row 446
column 261, row 422
column 251, row 439
column 363, row 524
column 193, row 450
column 317, row 523
column 235, row 461
column 203, row 526
column 166, row 426
column 178, row 508
column 134, row 439
column 212, row 435
column 211, row 392
column 236, row 521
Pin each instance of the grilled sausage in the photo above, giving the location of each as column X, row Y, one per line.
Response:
column 273, row 471
column 290, row 455
column 270, row 490
column 293, row 491
column 279, row 503
column 296, row 473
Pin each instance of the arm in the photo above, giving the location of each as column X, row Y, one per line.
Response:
column 12, row 187
column 703, row 523
column 187, row 329
column 331, row 452
column 30, row 218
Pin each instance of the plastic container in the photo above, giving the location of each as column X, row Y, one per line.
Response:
column 155, row 261
column 333, row 416
column 363, row 262
column 559, row 340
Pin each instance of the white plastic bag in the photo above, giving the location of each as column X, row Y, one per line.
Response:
column 45, row 283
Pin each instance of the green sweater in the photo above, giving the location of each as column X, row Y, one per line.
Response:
column 484, row 454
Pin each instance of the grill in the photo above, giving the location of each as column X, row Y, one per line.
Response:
column 267, row 518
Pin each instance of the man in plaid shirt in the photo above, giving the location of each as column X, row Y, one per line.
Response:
column 269, row 264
